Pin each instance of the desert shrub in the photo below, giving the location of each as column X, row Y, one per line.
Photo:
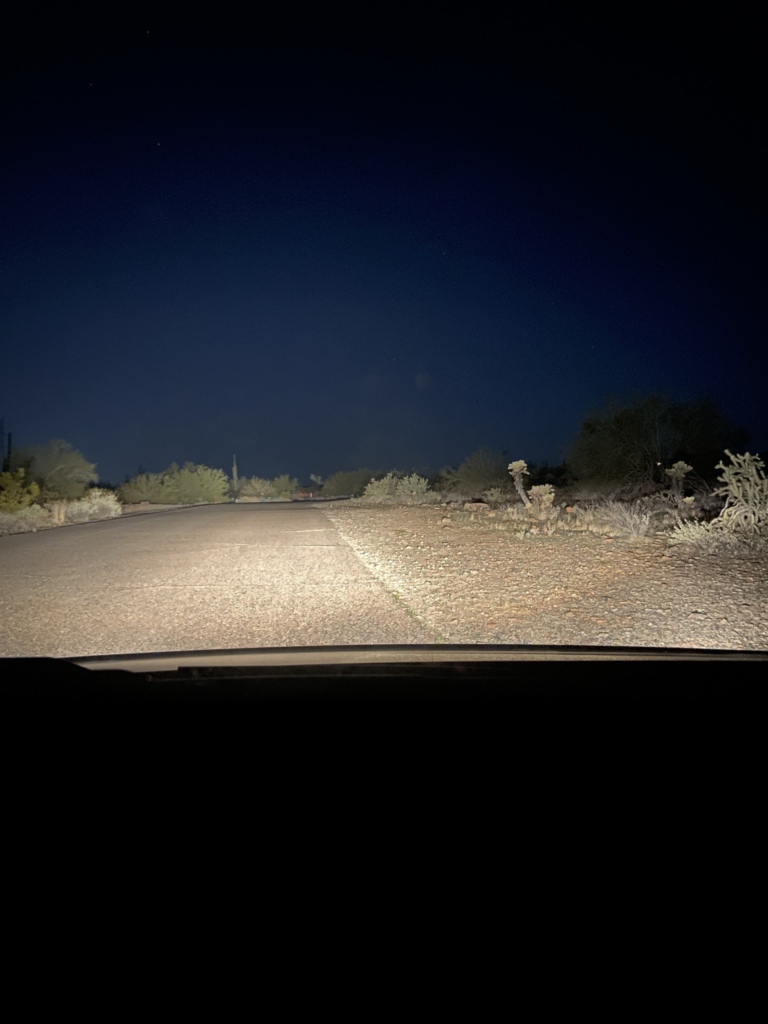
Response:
column 397, row 488
column 628, row 519
column 482, row 469
column 698, row 536
column 57, row 510
column 577, row 517
column 196, row 485
column 634, row 490
column 414, row 489
column 154, row 487
column 257, row 487
column 497, row 496
column 16, row 491
column 517, row 514
column 24, row 520
column 187, row 485
column 382, row 491
column 545, row 515
column 284, row 486
column 452, row 496
column 441, row 481
column 703, row 538
column 97, row 504
column 72, row 512
column 347, row 483
column 281, row 487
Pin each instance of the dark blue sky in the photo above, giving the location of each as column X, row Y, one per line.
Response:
column 322, row 248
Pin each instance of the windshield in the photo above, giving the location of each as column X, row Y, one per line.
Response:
column 322, row 334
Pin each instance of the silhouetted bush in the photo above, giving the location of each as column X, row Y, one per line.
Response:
column 350, row 482
column 479, row 472
column 58, row 468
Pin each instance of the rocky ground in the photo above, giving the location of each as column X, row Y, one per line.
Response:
column 471, row 578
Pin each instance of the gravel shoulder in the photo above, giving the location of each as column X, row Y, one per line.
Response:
column 469, row 580
column 142, row 509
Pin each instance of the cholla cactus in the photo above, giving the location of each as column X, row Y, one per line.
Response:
column 542, row 506
column 542, row 498
column 518, row 470
column 745, row 486
column 676, row 476
column 677, row 472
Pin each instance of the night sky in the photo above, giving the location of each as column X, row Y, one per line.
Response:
column 323, row 246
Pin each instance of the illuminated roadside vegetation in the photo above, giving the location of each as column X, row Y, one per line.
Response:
column 646, row 468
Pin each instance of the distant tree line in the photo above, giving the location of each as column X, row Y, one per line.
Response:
column 630, row 443
column 624, row 444
column 635, row 441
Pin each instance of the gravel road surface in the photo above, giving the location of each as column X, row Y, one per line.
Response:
column 222, row 576
column 253, row 575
